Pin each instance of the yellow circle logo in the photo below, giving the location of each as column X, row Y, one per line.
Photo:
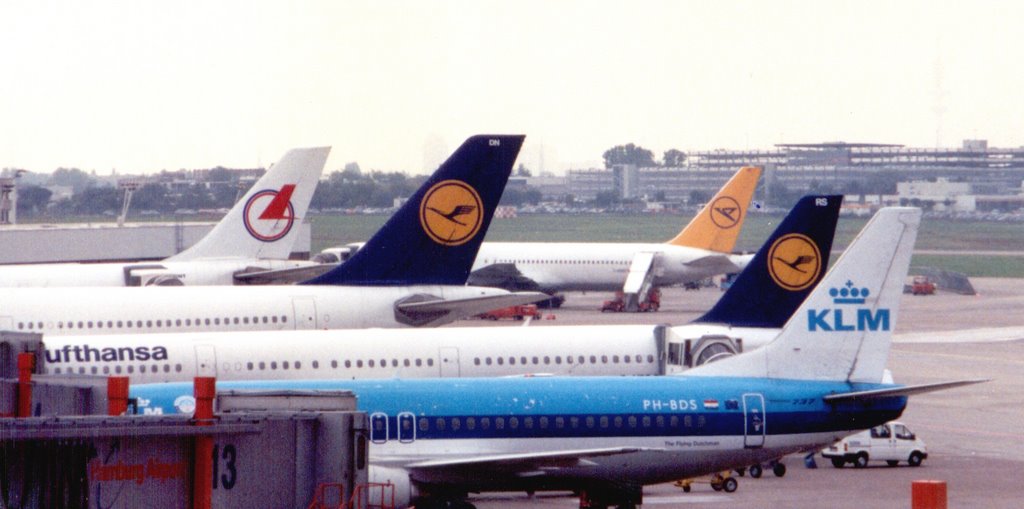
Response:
column 451, row 212
column 794, row 262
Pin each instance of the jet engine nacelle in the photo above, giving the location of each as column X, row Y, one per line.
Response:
column 405, row 492
column 689, row 353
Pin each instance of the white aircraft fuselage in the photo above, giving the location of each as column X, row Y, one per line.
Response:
column 198, row 272
column 377, row 353
column 113, row 310
column 594, row 266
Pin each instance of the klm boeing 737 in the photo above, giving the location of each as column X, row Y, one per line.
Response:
column 748, row 315
column 823, row 378
column 411, row 273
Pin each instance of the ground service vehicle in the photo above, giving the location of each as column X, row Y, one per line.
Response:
column 922, row 286
column 512, row 312
column 891, row 442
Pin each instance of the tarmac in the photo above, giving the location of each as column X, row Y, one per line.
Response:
column 974, row 434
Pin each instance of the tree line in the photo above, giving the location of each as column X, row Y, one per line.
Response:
column 348, row 188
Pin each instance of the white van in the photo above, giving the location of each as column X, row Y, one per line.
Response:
column 891, row 442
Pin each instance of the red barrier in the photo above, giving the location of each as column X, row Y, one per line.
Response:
column 928, row 495
column 117, row 395
column 26, row 365
column 204, row 390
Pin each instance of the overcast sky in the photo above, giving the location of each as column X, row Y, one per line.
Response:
column 141, row 86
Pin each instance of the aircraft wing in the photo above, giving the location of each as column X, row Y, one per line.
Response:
column 502, row 275
column 905, row 390
column 712, row 260
column 471, row 470
column 257, row 276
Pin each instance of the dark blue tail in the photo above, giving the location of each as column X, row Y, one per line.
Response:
column 434, row 237
column 786, row 268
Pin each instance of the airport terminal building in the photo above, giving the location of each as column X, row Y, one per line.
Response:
column 993, row 174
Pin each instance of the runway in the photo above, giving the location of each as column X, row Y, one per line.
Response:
column 973, row 433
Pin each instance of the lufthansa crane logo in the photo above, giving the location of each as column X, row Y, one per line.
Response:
column 269, row 214
column 451, row 212
column 725, row 212
column 794, row 262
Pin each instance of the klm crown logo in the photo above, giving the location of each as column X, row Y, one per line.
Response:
column 833, row 319
column 849, row 294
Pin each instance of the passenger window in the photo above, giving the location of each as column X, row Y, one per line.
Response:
column 499, row 423
column 501, row 361
column 359, row 363
column 370, row 363
column 604, row 421
column 485, row 423
column 263, row 365
column 470, row 423
column 487, row 361
column 647, row 421
column 590, row 422
column 284, row 365
column 456, row 424
column 528, row 422
column 423, row 423
column 626, row 359
column 513, row 422
column 558, row 359
column 559, row 422
column 273, row 364
column 249, row 366
column 117, row 369
column 439, row 423
column 604, row 359
column 405, row 362
column 419, row 362
column 316, row 364
column 273, row 319
column 430, row 362
column 511, row 361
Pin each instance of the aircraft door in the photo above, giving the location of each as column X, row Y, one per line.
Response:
column 406, row 427
column 753, row 421
column 449, row 362
column 206, row 360
column 305, row 313
column 378, row 428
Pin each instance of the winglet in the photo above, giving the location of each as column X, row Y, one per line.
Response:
column 435, row 236
column 717, row 226
column 843, row 331
column 784, row 271
column 265, row 222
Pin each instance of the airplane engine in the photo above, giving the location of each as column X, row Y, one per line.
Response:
column 405, row 492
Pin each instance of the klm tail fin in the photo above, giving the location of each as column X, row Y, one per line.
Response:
column 717, row 226
column 843, row 331
column 784, row 271
column 265, row 222
column 435, row 236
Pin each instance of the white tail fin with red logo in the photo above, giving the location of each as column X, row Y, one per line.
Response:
column 265, row 222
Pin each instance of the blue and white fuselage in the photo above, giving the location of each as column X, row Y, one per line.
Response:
column 647, row 430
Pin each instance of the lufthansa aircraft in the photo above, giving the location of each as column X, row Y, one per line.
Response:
column 251, row 243
column 701, row 250
column 411, row 273
column 748, row 315
column 823, row 378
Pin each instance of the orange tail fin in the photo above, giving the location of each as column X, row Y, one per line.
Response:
column 717, row 226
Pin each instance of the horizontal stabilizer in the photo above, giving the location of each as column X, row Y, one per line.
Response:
column 502, row 275
column 905, row 390
column 471, row 305
column 713, row 260
column 282, row 276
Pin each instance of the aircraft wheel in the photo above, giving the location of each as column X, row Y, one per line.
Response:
column 779, row 470
column 730, row 485
column 756, row 471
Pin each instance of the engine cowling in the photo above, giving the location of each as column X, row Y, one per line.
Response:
column 405, row 492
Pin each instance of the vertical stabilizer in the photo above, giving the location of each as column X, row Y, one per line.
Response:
column 784, row 271
column 265, row 222
column 434, row 237
column 843, row 330
column 717, row 226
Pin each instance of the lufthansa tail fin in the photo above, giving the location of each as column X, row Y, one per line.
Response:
column 435, row 236
column 843, row 331
column 784, row 271
column 717, row 226
column 265, row 222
